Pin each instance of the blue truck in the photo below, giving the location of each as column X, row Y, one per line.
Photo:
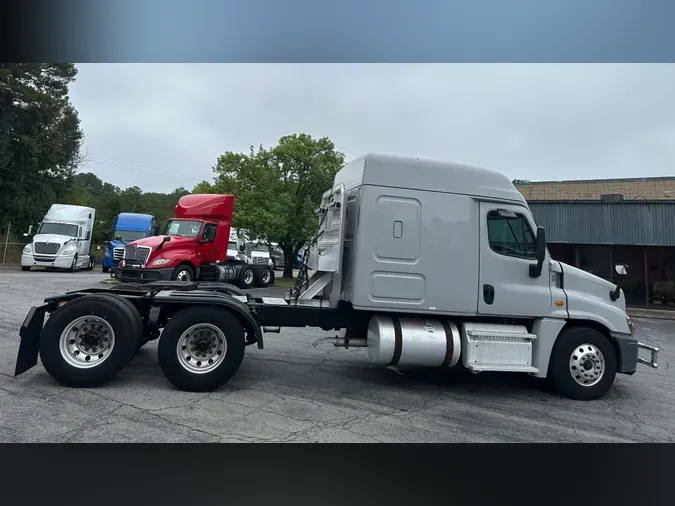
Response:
column 128, row 227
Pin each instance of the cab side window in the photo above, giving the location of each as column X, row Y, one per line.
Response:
column 209, row 233
column 510, row 234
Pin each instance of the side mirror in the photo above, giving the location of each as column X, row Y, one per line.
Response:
column 30, row 232
column 539, row 253
column 622, row 271
column 88, row 236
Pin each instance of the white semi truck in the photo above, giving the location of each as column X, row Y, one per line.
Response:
column 424, row 263
column 62, row 240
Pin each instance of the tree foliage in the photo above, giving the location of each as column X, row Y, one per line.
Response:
column 40, row 138
column 109, row 200
column 278, row 190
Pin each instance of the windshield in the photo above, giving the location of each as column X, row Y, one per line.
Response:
column 183, row 228
column 58, row 229
column 232, row 245
column 128, row 235
column 260, row 247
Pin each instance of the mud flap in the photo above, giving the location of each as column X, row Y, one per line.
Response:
column 30, row 339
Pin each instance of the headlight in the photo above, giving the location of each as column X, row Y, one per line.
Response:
column 27, row 249
column 68, row 252
column 161, row 261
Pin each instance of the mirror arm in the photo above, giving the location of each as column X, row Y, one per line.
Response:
column 614, row 294
column 535, row 269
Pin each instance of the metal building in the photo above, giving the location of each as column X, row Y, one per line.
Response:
column 594, row 235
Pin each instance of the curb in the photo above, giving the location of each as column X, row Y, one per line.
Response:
column 653, row 316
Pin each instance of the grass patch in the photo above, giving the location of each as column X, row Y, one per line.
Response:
column 284, row 282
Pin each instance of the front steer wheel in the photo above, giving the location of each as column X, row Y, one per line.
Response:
column 583, row 364
column 201, row 348
column 88, row 341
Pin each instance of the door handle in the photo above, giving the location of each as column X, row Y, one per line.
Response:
column 488, row 294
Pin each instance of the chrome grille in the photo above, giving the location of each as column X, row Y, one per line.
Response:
column 138, row 253
column 118, row 254
column 47, row 248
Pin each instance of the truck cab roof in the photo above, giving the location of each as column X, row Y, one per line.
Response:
column 423, row 174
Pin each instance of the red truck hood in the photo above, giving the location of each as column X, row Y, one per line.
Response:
column 156, row 240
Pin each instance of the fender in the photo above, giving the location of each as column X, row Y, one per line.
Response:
column 226, row 301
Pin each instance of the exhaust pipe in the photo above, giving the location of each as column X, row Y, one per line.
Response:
column 341, row 341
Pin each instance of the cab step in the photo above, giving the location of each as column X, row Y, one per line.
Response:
column 497, row 347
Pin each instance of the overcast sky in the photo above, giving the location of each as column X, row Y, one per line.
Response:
column 163, row 126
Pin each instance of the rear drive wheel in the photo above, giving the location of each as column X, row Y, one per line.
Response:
column 87, row 342
column 201, row 348
column 263, row 277
column 246, row 278
column 92, row 262
column 136, row 320
column 25, row 268
column 183, row 272
column 583, row 365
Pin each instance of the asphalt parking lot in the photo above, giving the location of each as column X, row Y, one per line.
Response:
column 293, row 392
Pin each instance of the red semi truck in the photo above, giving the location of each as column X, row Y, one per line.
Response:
column 194, row 247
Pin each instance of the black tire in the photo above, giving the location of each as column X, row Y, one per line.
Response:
column 136, row 320
column 92, row 263
column 25, row 268
column 183, row 269
column 560, row 369
column 246, row 281
column 167, row 349
column 263, row 277
column 112, row 309
column 105, row 269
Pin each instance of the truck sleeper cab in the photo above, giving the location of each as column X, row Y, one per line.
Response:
column 62, row 240
column 192, row 246
column 423, row 263
column 127, row 227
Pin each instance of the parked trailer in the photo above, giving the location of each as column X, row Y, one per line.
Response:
column 424, row 263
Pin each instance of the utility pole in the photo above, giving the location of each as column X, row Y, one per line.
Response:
column 9, row 228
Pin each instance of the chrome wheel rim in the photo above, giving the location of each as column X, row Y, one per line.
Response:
column 87, row 342
column 201, row 348
column 248, row 277
column 587, row 365
column 266, row 276
column 183, row 276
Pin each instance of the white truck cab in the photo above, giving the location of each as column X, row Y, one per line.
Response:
column 62, row 240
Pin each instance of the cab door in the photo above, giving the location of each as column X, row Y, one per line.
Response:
column 207, row 249
column 507, row 249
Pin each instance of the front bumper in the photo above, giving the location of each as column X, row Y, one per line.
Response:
column 58, row 261
column 627, row 353
column 142, row 275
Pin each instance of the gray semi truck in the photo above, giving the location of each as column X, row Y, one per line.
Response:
column 424, row 263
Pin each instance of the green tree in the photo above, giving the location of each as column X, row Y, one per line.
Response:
column 277, row 190
column 40, row 138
